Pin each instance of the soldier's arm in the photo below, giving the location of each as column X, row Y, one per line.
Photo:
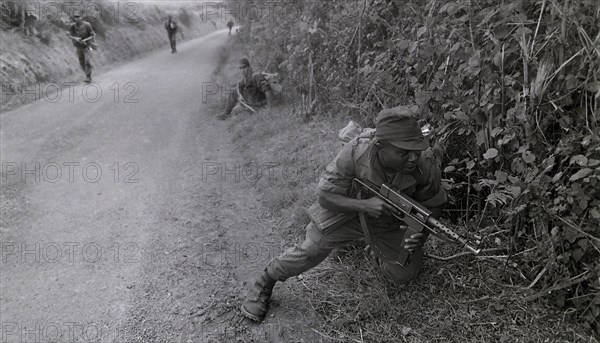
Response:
column 430, row 194
column 335, row 187
column 374, row 207
column 90, row 32
column 263, row 85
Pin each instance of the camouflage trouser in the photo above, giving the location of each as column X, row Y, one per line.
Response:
column 172, row 40
column 85, row 59
column 318, row 244
column 232, row 101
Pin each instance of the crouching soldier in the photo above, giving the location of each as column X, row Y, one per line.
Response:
column 252, row 92
column 392, row 155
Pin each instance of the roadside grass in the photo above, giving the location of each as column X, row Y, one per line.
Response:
column 463, row 300
column 296, row 152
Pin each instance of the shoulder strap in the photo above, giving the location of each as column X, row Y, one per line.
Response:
column 369, row 238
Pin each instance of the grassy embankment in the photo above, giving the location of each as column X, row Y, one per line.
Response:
column 463, row 300
column 45, row 57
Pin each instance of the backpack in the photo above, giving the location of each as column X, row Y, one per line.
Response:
column 353, row 130
column 273, row 80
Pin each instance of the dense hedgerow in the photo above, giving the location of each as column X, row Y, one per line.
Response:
column 512, row 88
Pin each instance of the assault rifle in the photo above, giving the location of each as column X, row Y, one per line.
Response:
column 417, row 217
column 243, row 101
column 86, row 41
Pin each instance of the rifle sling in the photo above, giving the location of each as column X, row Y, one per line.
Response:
column 369, row 238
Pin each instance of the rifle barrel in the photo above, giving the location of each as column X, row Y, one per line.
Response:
column 453, row 235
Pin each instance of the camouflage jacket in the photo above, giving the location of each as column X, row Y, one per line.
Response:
column 358, row 159
column 254, row 92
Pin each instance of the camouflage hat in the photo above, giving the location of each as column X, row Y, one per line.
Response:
column 76, row 13
column 399, row 127
column 244, row 62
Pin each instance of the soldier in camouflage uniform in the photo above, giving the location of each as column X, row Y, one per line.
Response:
column 254, row 88
column 230, row 26
column 78, row 32
column 172, row 27
column 396, row 153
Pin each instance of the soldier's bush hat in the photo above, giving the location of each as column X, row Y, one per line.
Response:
column 244, row 63
column 399, row 127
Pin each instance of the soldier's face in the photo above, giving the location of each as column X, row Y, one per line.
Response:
column 401, row 160
column 246, row 71
column 77, row 19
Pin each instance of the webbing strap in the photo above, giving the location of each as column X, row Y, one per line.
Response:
column 367, row 233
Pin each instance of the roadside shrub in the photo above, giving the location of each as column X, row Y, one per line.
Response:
column 184, row 17
column 517, row 80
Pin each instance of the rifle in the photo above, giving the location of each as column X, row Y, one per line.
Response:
column 242, row 100
column 91, row 45
column 416, row 216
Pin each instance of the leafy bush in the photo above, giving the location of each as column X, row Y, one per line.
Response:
column 184, row 17
column 513, row 89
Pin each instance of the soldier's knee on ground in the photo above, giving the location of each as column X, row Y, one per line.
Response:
column 403, row 275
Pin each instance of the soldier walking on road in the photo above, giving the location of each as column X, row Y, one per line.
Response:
column 171, row 27
column 82, row 35
column 230, row 26
column 392, row 154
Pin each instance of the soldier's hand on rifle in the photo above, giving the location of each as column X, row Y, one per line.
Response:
column 413, row 242
column 375, row 207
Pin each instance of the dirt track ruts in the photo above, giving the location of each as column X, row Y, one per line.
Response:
column 154, row 248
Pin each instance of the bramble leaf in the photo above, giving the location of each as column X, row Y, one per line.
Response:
column 528, row 157
column 491, row 153
column 581, row 174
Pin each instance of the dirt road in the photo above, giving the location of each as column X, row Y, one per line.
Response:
column 125, row 216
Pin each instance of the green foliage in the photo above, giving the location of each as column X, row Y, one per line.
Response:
column 184, row 17
column 513, row 87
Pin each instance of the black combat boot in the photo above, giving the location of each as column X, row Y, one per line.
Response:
column 255, row 305
column 223, row 116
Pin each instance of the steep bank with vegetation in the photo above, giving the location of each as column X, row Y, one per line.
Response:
column 36, row 50
column 512, row 88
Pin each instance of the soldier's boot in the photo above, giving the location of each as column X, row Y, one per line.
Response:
column 257, row 300
column 223, row 116
column 228, row 109
column 88, row 78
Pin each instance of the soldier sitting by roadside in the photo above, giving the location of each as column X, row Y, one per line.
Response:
column 252, row 92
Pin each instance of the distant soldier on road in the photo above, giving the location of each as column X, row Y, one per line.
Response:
column 82, row 35
column 230, row 26
column 171, row 27
column 29, row 24
column 252, row 92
